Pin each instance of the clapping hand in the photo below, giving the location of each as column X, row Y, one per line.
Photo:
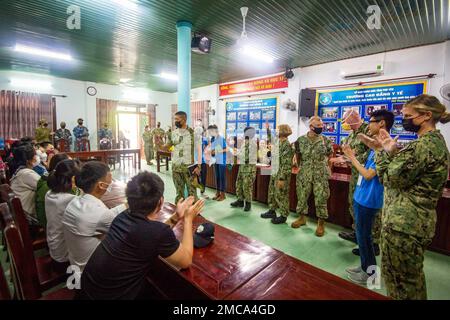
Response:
column 348, row 151
column 183, row 205
column 389, row 145
column 372, row 143
column 194, row 210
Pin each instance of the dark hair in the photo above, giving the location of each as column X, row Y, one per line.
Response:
column 249, row 132
column 44, row 144
column 181, row 114
column 60, row 179
column 23, row 154
column 212, row 127
column 57, row 158
column 26, row 140
column 143, row 192
column 89, row 175
column 385, row 115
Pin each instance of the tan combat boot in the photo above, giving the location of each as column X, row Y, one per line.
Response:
column 320, row 231
column 217, row 195
column 301, row 221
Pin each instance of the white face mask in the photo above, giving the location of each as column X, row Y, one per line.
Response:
column 109, row 188
column 36, row 161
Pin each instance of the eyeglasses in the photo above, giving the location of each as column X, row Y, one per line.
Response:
column 373, row 121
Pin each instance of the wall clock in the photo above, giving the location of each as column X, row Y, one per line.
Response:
column 91, row 91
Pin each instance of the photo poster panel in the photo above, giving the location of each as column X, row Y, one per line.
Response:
column 255, row 113
column 331, row 106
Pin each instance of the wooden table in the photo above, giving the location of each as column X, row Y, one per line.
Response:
column 103, row 155
column 233, row 264
column 162, row 154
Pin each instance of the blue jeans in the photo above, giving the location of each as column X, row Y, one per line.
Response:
column 220, row 176
column 204, row 170
column 364, row 218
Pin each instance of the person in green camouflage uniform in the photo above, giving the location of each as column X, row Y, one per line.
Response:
column 182, row 141
column 247, row 171
column 312, row 153
column 414, row 179
column 282, row 154
column 43, row 133
column 147, row 136
column 352, row 121
column 158, row 137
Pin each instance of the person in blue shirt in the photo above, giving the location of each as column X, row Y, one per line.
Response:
column 201, row 139
column 367, row 200
column 81, row 133
column 219, row 153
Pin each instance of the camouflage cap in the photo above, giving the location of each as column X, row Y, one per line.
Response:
column 284, row 130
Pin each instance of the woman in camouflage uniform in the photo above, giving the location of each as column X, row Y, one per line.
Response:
column 414, row 179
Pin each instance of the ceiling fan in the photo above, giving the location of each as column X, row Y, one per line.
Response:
column 245, row 46
column 445, row 92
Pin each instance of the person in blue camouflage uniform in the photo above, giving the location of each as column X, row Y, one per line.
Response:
column 63, row 134
column 105, row 132
column 105, row 137
column 247, row 156
column 413, row 178
column 80, row 133
column 281, row 155
column 312, row 153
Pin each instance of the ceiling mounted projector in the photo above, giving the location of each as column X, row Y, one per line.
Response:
column 200, row 44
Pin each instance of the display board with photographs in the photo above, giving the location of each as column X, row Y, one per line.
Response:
column 333, row 104
column 255, row 113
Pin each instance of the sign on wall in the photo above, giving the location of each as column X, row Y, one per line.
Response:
column 332, row 104
column 256, row 85
column 255, row 113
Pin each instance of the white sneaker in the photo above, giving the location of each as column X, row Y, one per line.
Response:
column 360, row 278
column 357, row 269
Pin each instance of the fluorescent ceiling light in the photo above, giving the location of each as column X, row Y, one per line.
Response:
column 42, row 52
column 126, row 3
column 27, row 83
column 169, row 76
column 123, row 80
column 256, row 54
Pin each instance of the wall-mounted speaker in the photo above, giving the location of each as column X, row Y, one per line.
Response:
column 307, row 103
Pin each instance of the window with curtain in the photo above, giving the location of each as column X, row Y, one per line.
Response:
column 106, row 112
column 20, row 113
column 174, row 108
column 151, row 111
column 199, row 110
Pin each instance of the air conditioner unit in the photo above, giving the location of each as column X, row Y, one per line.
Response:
column 364, row 71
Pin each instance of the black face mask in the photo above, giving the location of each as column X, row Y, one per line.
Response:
column 178, row 124
column 317, row 130
column 80, row 123
column 409, row 125
column 63, row 127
